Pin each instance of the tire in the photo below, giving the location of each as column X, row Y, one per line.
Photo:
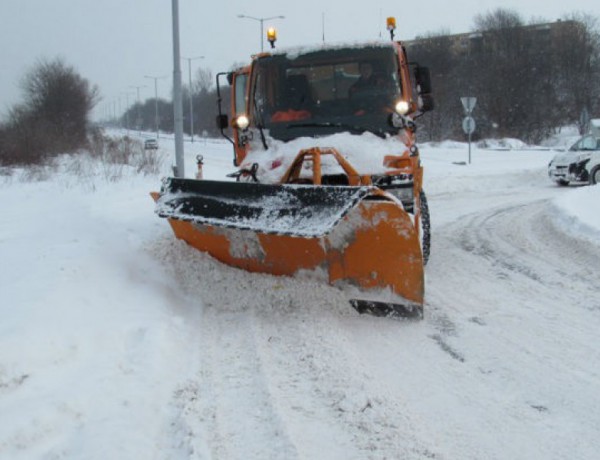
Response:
column 562, row 183
column 595, row 176
column 425, row 227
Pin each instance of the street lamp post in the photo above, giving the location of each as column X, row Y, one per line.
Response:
column 191, row 93
column 138, row 121
column 120, row 114
column 114, row 113
column 155, row 99
column 261, row 20
column 177, row 109
column 127, row 109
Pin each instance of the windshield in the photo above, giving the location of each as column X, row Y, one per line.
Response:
column 324, row 92
column 586, row 143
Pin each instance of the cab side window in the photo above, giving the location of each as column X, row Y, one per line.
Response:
column 240, row 93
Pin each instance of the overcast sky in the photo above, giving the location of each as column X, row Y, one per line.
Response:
column 115, row 43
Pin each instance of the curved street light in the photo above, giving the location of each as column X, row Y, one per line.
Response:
column 126, row 94
column 261, row 20
column 191, row 93
column 152, row 77
column 138, row 122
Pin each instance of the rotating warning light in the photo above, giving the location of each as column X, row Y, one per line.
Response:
column 272, row 36
column 391, row 25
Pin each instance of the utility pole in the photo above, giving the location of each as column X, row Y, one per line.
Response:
column 177, row 106
column 155, row 100
column 191, row 94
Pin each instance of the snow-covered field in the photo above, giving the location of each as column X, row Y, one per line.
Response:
column 119, row 342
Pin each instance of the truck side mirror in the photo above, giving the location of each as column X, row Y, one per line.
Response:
column 423, row 78
column 423, row 81
column 222, row 122
column 427, row 103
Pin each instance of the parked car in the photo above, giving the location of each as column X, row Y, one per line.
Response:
column 581, row 163
column 150, row 144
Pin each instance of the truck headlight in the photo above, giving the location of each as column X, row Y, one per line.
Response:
column 402, row 107
column 242, row 122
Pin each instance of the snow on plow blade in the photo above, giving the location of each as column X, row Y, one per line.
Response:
column 358, row 235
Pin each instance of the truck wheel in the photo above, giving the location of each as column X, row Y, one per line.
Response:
column 595, row 176
column 425, row 227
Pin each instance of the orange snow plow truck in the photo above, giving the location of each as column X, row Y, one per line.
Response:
column 329, row 178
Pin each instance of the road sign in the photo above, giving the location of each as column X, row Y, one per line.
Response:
column 468, row 103
column 468, row 125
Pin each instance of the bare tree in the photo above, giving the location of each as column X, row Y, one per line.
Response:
column 498, row 20
column 435, row 50
column 499, row 65
column 54, row 116
column 577, row 67
column 58, row 95
column 203, row 81
column 529, row 79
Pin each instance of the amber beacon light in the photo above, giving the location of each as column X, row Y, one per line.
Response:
column 272, row 36
column 391, row 26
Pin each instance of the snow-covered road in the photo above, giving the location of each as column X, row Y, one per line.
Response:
column 516, row 302
column 118, row 341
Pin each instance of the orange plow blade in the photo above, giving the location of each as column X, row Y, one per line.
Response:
column 359, row 236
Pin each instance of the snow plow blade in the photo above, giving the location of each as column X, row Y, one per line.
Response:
column 359, row 236
column 266, row 208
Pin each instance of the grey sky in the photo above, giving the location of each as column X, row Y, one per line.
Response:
column 114, row 43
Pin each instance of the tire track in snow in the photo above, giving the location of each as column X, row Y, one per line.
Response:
column 522, row 298
column 277, row 375
column 234, row 398
column 523, row 242
column 223, row 410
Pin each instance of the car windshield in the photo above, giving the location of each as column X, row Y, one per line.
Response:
column 327, row 91
column 586, row 143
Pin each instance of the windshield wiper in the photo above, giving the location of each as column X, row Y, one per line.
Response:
column 329, row 124
column 260, row 123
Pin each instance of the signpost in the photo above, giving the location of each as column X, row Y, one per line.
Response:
column 468, row 124
column 468, row 103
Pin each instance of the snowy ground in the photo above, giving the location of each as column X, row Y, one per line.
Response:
column 118, row 342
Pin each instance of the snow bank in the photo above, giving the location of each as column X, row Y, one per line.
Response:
column 577, row 212
column 117, row 341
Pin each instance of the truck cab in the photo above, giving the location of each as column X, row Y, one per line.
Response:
column 327, row 90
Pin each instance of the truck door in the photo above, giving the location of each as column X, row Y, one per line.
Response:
column 240, row 108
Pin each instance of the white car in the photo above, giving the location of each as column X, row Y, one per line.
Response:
column 581, row 163
column 150, row 144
